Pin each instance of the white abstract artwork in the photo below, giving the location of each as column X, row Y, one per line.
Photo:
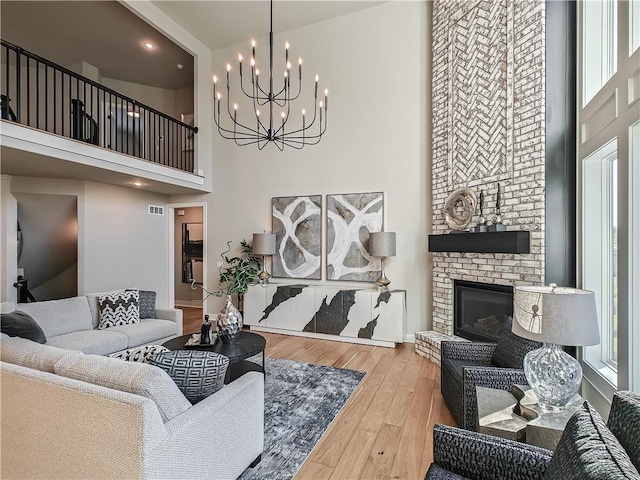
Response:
column 350, row 219
column 297, row 223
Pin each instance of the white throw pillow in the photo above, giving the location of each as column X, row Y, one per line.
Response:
column 120, row 308
column 139, row 354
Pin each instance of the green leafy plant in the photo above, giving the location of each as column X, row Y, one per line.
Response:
column 237, row 274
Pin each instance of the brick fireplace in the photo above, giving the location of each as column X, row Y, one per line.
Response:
column 489, row 85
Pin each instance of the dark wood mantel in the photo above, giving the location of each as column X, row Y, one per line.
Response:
column 487, row 242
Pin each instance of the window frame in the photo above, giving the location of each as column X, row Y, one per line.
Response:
column 609, row 115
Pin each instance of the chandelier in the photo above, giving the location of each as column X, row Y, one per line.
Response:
column 267, row 104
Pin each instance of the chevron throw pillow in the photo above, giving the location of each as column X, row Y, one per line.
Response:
column 198, row 374
column 120, row 308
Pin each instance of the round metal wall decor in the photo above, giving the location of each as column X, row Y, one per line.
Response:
column 459, row 208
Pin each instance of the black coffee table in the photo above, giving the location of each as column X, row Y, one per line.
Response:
column 247, row 344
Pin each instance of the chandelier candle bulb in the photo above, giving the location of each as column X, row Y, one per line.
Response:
column 286, row 54
column 300, row 68
column 240, row 64
column 253, row 49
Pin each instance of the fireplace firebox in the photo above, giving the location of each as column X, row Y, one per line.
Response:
column 480, row 309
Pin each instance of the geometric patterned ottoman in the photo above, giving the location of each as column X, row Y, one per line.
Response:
column 197, row 374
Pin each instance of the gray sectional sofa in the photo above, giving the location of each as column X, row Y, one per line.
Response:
column 71, row 323
column 69, row 411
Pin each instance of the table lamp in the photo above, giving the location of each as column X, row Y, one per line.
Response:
column 383, row 245
column 555, row 316
column 264, row 244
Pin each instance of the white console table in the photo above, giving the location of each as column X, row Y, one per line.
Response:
column 353, row 315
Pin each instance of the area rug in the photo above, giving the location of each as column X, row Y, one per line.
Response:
column 300, row 402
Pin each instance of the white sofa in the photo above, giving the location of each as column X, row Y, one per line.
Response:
column 55, row 425
column 71, row 323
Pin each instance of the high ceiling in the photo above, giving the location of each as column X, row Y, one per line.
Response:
column 107, row 35
column 103, row 33
column 220, row 24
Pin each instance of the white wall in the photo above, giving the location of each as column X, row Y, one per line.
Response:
column 8, row 241
column 374, row 63
column 119, row 244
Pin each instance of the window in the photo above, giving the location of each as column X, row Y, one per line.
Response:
column 634, row 26
column 599, row 45
column 600, row 246
column 609, row 181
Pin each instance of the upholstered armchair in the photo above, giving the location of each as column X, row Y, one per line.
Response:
column 467, row 365
column 589, row 449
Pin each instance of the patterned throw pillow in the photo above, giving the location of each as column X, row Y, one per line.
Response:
column 147, row 303
column 120, row 308
column 139, row 354
column 197, row 374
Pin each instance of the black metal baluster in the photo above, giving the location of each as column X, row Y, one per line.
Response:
column 91, row 115
column 55, row 101
column 69, row 106
column 104, row 118
column 46, row 98
column 28, row 96
column 18, row 111
column 62, row 102
column 6, row 83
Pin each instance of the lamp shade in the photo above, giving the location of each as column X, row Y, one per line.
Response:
column 264, row 244
column 559, row 315
column 382, row 244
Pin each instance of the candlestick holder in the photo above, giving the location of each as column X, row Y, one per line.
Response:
column 482, row 221
column 497, row 225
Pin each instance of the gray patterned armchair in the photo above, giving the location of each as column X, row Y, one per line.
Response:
column 467, row 365
column 589, row 449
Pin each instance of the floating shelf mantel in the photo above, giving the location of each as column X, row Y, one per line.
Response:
column 487, row 242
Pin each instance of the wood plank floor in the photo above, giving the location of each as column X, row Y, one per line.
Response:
column 385, row 429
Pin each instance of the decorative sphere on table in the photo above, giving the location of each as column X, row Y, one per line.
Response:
column 229, row 322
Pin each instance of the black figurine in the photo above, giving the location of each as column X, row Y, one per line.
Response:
column 205, row 338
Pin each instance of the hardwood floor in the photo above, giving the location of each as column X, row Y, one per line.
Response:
column 385, row 429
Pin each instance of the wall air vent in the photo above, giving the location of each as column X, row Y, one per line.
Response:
column 155, row 210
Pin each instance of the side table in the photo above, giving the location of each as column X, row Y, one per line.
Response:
column 517, row 416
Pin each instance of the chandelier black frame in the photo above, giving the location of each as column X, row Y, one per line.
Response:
column 262, row 135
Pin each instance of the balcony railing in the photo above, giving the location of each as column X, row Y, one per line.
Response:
column 38, row 93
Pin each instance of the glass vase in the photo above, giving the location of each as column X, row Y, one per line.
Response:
column 229, row 322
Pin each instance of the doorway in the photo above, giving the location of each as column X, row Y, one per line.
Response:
column 189, row 262
column 47, row 246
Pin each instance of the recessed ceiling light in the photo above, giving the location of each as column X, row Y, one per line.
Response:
column 180, row 66
column 133, row 114
column 137, row 184
column 149, row 45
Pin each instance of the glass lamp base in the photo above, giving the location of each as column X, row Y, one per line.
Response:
column 553, row 375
